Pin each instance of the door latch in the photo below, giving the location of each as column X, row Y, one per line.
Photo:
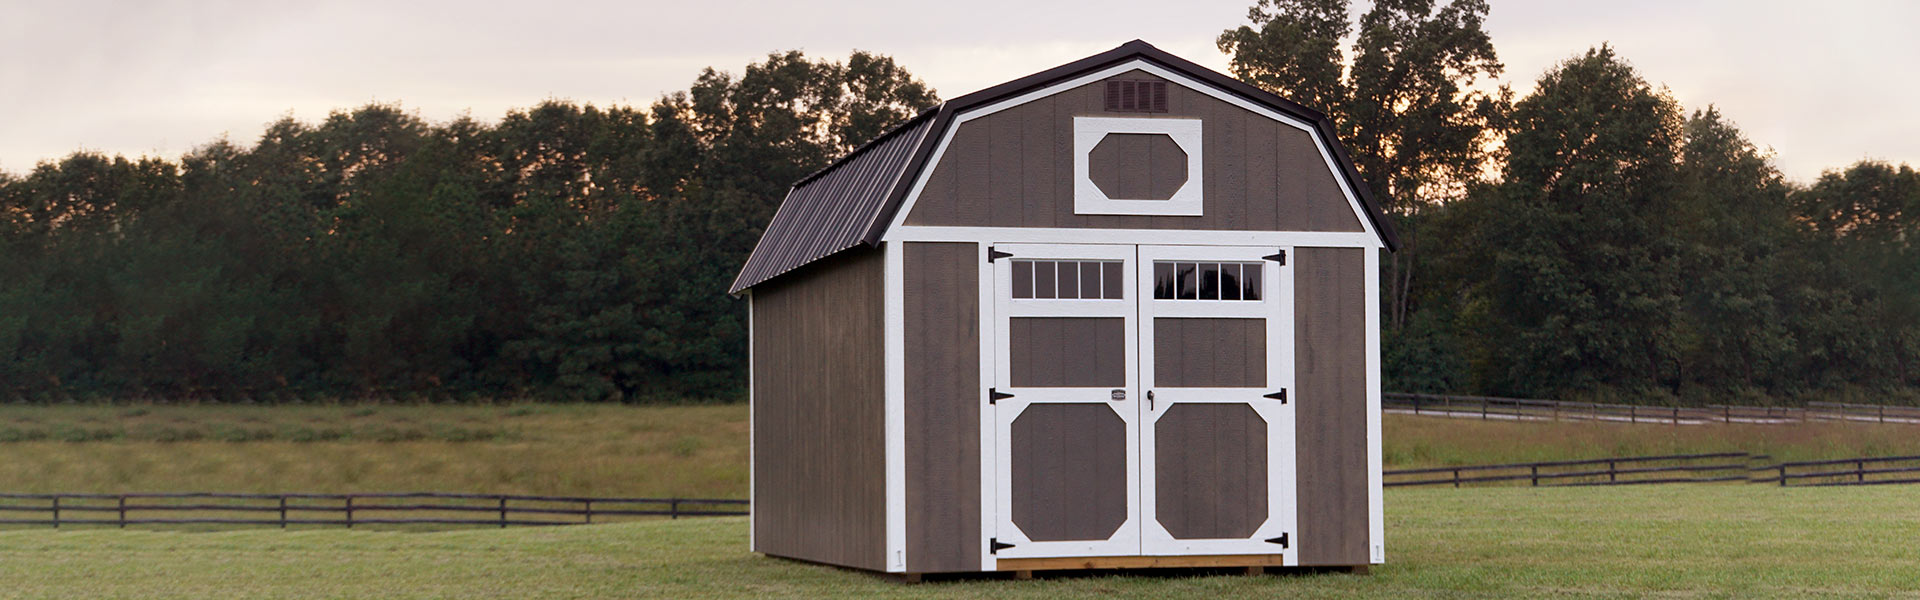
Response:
column 1149, row 399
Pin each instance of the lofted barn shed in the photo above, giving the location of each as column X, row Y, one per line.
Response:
column 1119, row 313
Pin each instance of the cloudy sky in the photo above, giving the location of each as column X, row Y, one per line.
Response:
column 1822, row 84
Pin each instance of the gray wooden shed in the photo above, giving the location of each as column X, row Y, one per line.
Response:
column 1119, row 313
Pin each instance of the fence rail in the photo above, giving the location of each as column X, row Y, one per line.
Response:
column 1523, row 409
column 1674, row 468
column 402, row 508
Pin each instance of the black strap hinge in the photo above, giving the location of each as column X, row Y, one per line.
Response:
column 993, row 254
column 1279, row 258
column 994, row 545
column 994, row 396
column 1282, row 540
column 1280, row 395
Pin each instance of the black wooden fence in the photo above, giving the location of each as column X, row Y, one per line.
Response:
column 404, row 508
column 1496, row 408
column 1675, row 468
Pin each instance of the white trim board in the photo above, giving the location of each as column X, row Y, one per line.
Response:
column 1177, row 237
column 1089, row 199
column 946, row 137
column 1376, row 513
column 896, row 406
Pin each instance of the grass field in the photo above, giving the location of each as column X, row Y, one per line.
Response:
column 688, row 451
column 1671, row 541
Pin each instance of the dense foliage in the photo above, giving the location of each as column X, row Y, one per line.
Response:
column 567, row 252
column 1609, row 244
column 1592, row 238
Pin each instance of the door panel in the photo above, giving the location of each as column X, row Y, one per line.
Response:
column 1215, row 331
column 1066, row 449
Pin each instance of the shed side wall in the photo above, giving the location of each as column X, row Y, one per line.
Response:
column 942, row 316
column 819, row 398
column 1014, row 168
column 1331, row 414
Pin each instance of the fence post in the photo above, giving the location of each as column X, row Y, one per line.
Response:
column 589, row 512
column 503, row 512
column 123, row 511
column 1676, row 415
column 283, row 511
column 673, row 508
column 1783, row 475
column 1483, row 409
column 349, row 511
column 1416, row 405
column 1633, row 414
column 1612, row 473
column 1860, row 469
column 1536, row 474
column 1883, row 413
column 1456, row 477
column 56, row 512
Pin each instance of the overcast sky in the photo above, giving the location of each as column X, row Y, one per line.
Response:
column 1823, row 84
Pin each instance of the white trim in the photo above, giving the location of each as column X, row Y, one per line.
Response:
column 1275, row 308
column 753, row 490
column 1179, row 237
column 1089, row 199
column 896, row 403
column 989, row 508
column 1376, row 514
column 946, row 137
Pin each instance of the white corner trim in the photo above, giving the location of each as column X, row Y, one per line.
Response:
column 896, row 404
column 946, row 137
column 989, row 498
column 1376, row 513
column 1088, row 199
column 753, row 490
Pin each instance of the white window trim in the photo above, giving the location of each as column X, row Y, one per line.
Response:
column 1088, row 199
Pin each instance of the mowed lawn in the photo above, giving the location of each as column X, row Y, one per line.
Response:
column 1676, row 541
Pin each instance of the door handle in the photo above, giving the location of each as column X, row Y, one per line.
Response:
column 1149, row 399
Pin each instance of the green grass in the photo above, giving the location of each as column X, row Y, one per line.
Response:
column 1679, row 541
column 603, row 450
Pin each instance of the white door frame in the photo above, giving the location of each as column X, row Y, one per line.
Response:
column 1276, row 307
column 1125, row 540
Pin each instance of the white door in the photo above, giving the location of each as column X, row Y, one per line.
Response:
column 1066, row 450
column 1216, row 431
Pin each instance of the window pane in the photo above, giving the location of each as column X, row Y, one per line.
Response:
column 1230, row 281
column 1163, row 281
column 1090, row 280
column 1188, row 281
column 1023, row 279
column 1113, row 281
column 1209, row 281
column 1069, row 279
column 1250, row 281
column 1043, row 282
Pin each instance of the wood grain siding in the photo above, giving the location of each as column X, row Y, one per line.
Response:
column 1210, row 471
column 942, row 310
column 1209, row 352
column 1067, row 352
column 1331, row 405
column 819, row 413
column 1069, row 479
column 1014, row 168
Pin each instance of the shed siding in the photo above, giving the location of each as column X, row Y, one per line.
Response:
column 1014, row 168
column 819, row 413
column 942, row 337
column 1331, row 414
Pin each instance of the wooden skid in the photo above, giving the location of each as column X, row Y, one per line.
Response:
column 1139, row 562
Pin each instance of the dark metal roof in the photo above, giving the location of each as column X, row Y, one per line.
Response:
column 858, row 195
column 832, row 209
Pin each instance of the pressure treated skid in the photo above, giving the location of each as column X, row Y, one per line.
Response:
column 968, row 355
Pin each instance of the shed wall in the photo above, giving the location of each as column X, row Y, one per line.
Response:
column 1331, row 414
column 941, row 293
column 1014, row 168
column 819, row 401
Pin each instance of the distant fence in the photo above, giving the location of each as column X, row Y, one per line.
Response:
column 1521, row 409
column 1674, row 468
column 405, row 508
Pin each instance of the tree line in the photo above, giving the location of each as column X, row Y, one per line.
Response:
column 1592, row 238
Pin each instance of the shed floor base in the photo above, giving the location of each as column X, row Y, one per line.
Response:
column 1139, row 562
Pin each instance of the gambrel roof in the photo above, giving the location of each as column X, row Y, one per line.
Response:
column 851, row 202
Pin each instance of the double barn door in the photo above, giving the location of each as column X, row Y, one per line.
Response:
column 1139, row 401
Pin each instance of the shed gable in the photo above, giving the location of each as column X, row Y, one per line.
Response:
column 1015, row 168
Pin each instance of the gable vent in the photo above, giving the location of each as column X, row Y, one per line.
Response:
column 1136, row 96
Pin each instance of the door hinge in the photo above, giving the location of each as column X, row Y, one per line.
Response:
column 1280, row 395
column 993, row 254
column 1282, row 540
column 994, row 545
column 994, row 396
column 1279, row 258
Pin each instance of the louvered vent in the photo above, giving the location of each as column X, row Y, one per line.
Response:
column 1137, row 96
